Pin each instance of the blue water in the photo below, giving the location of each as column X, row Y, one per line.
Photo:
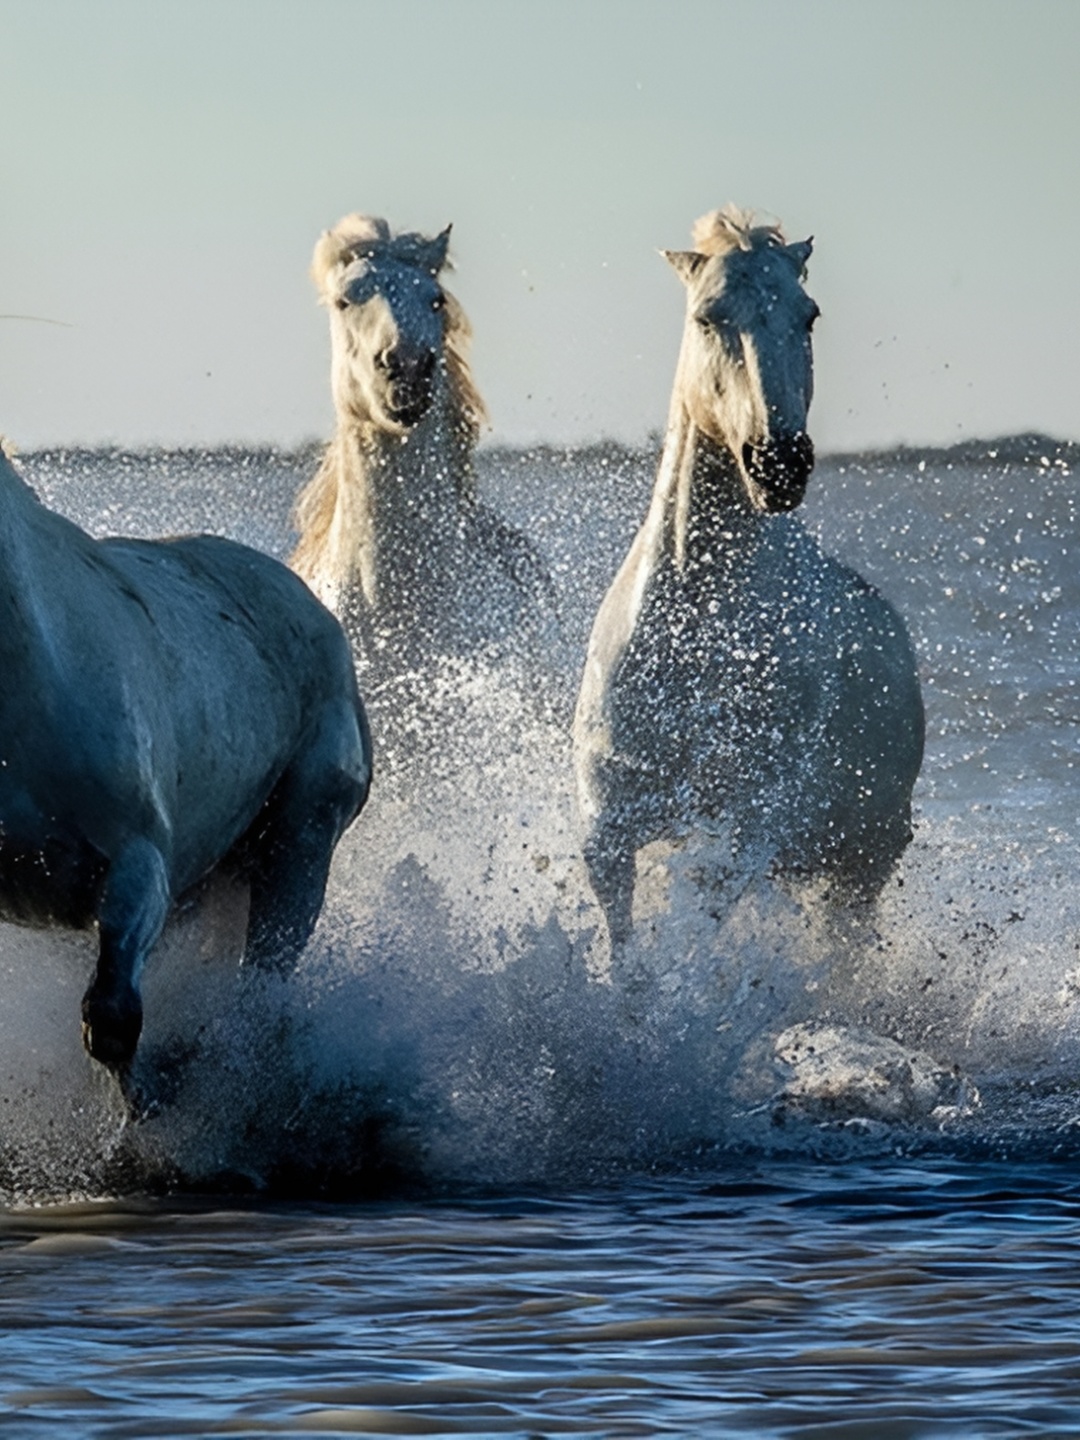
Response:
column 802, row 1180
column 891, row 1300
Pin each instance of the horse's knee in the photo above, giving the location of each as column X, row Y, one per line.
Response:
column 318, row 797
column 284, row 912
column 863, row 869
column 135, row 899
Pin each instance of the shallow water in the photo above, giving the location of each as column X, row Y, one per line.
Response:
column 801, row 1176
column 800, row 1300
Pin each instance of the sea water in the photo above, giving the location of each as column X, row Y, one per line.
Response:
column 804, row 1175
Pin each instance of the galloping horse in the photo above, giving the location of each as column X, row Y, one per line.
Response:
column 392, row 535
column 737, row 676
column 167, row 707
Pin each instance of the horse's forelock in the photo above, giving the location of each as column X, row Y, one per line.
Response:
column 731, row 228
column 357, row 237
column 342, row 243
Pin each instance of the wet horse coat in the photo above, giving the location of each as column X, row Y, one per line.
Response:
column 167, row 706
column 737, row 676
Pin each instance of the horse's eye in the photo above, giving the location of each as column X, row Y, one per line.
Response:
column 703, row 320
column 342, row 304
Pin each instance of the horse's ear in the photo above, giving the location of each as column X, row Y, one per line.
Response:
column 435, row 252
column 800, row 252
column 685, row 263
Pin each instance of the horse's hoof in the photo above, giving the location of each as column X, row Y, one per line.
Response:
column 111, row 1035
column 114, row 1051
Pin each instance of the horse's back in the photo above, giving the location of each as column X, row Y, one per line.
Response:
column 245, row 606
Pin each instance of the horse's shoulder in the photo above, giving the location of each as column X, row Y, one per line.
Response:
column 873, row 606
column 515, row 555
column 629, row 630
column 878, row 648
column 502, row 540
column 858, row 594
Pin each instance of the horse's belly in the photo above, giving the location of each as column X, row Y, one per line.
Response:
column 54, row 883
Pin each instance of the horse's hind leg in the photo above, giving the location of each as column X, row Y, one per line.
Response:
column 292, row 843
column 134, row 905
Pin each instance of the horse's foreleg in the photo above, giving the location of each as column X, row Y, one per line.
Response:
column 134, row 905
column 319, row 795
column 609, row 859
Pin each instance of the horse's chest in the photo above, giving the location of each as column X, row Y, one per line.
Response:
column 740, row 670
column 723, row 700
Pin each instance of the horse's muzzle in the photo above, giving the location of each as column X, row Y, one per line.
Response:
column 779, row 471
column 409, row 385
column 408, row 409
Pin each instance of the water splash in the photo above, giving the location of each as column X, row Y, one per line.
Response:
column 455, row 1022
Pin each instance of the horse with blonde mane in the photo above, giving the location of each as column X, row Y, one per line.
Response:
column 738, row 679
column 169, row 709
column 392, row 534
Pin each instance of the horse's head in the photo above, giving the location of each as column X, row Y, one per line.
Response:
column 387, row 318
column 746, row 368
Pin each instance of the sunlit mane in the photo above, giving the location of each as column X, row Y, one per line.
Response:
column 353, row 235
column 731, row 228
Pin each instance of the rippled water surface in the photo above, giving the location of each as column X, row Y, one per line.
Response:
column 796, row 1300
column 802, row 1176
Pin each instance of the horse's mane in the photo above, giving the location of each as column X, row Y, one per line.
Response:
column 732, row 228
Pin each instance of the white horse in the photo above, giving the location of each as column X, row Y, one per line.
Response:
column 738, row 677
column 392, row 535
column 167, row 707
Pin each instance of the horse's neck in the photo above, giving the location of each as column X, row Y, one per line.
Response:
column 700, row 514
column 405, row 501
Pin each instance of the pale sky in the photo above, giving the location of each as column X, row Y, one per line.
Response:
column 166, row 166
